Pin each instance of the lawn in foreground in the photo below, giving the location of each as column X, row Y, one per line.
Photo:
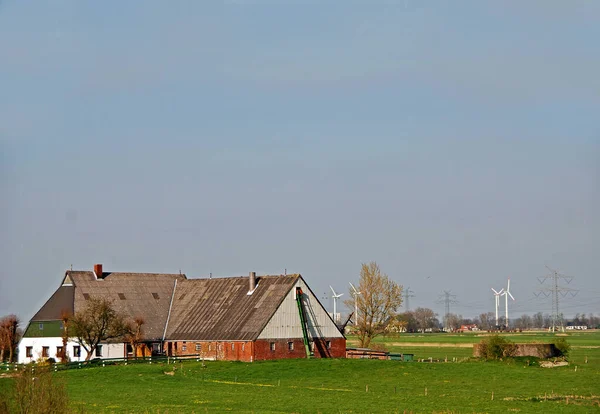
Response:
column 335, row 386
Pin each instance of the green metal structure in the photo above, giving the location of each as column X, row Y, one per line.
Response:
column 303, row 322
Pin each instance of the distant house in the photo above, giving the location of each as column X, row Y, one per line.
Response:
column 466, row 328
column 237, row 318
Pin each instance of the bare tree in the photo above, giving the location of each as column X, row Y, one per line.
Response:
column 65, row 317
column 134, row 334
column 453, row 321
column 96, row 323
column 377, row 304
column 487, row 321
column 9, row 338
column 426, row 318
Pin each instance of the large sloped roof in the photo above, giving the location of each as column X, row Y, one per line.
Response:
column 61, row 301
column 222, row 309
column 133, row 294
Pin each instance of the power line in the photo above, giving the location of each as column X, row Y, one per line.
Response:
column 556, row 291
column 408, row 294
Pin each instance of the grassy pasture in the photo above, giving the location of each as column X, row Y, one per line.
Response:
column 333, row 386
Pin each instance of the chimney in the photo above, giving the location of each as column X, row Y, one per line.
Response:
column 252, row 281
column 98, row 271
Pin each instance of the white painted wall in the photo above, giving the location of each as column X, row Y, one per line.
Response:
column 285, row 323
column 113, row 350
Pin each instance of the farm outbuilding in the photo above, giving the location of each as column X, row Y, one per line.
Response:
column 234, row 318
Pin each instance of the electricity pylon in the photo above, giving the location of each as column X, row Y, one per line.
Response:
column 555, row 290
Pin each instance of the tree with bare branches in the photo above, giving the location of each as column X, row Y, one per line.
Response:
column 426, row 319
column 9, row 336
column 65, row 317
column 377, row 304
column 134, row 334
column 96, row 323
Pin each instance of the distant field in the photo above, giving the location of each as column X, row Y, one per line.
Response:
column 346, row 386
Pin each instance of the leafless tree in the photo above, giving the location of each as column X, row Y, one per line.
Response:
column 96, row 323
column 134, row 334
column 377, row 304
column 65, row 317
column 9, row 338
column 426, row 318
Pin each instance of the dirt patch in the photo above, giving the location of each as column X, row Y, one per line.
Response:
column 550, row 364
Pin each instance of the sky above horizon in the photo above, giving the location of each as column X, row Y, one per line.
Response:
column 454, row 143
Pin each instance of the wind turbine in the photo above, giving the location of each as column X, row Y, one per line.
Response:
column 506, row 295
column 497, row 297
column 335, row 297
column 355, row 294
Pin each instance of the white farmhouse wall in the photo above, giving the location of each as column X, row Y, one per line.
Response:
column 285, row 323
column 113, row 350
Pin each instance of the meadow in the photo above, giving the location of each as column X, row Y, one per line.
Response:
column 350, row 386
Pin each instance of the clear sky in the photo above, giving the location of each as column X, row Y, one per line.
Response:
column 455, row 143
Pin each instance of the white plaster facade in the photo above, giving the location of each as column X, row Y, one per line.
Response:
column 112, row 350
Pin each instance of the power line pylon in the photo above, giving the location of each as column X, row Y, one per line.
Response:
column 408, row 294
column 447, row 299
column 555, row 291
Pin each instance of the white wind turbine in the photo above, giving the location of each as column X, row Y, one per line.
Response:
column 355, row 294
column 335, row 297
column 497, row 297
column 506, row 295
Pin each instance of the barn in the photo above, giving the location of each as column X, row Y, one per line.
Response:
column 234, row 318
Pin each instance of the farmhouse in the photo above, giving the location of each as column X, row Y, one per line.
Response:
column 236, row 318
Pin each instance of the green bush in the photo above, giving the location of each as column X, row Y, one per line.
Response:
column 563, row 346
column 496, row 347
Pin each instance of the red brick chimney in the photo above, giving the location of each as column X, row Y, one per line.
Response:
column 252, row 281
column 98, row 271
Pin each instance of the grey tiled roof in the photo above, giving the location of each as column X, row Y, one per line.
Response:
column 61, row 301
column 221, row 309
column 134, row 294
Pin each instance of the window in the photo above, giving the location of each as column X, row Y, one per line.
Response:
column 184, row 347
column 272, row 346
column 59, row 351
column 290, row 346
column 209, row 347
column 232, row 346
column 243, row 346
column 122, row 296
column 41, row 326
column 29, row 352
column 45, row 351
column 312, row 346
column 129, row 349
column 198, row 347
column 76, row 351
column 328, row 344
column 155, row 295
column 99, row 351
column 86, row 296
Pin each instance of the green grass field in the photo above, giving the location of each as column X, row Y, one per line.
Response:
column 348, row 386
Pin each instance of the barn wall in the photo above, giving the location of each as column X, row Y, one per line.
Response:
column 213, row 350
column 285, row 323
column 264, row 350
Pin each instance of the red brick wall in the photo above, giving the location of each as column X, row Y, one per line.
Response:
column 220, row 350
column 262, row 349
column 257, row 351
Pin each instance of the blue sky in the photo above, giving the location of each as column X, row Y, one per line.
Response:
column 455, row 143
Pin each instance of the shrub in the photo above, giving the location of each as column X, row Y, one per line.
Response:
column 497, row 347
column 38, row 391
column 563, row 346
